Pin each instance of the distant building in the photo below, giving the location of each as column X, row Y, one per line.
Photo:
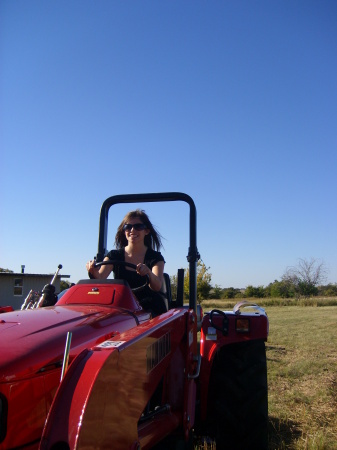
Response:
column 14, row 287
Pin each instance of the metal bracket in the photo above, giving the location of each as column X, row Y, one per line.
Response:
column 248, row 305
column 197, row 372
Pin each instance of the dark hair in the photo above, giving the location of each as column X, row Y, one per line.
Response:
column 151, row 240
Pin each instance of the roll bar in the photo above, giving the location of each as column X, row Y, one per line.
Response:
column 193, row 254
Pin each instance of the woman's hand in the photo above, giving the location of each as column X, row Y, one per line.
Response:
column 90, row 266
column 98, row 272
column 143, row 270
column 155, row 275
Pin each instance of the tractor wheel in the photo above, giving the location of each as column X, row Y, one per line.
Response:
column 238, row 397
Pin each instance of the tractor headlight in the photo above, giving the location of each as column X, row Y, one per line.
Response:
column 3, row 417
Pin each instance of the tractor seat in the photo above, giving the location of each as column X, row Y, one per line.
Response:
column 166, row 290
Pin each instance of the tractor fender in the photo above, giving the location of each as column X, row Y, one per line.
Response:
column 106, row 389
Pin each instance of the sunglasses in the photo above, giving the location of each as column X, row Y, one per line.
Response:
column 135, row 226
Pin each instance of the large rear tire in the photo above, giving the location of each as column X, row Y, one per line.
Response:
column 238, row 397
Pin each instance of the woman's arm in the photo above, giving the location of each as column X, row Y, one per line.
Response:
column 156, row 275
column 99, row 272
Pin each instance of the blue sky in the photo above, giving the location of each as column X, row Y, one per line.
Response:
column 231, row 102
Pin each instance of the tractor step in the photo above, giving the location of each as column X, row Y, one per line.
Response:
column 149, row 425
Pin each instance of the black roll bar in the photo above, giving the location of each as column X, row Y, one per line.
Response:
column 193, row 254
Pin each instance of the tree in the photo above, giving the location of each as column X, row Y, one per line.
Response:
column 216, row 292
column 254, row 291
column 231, row 293
column 282, row 289
column 330, row 290
column 65, row 285
column 203, row 282
column 5, row 270
column 306, row 276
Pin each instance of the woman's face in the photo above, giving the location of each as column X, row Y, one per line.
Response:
column 137, row 232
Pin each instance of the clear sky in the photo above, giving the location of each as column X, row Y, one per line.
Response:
column 232, row 102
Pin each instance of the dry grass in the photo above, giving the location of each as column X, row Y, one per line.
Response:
column 266, row 302
column 302, row 376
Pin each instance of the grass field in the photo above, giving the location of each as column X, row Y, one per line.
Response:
column 302, row 374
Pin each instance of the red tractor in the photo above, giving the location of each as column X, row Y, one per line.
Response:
column 95, row 371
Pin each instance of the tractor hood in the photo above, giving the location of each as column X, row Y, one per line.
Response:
column 33, row 341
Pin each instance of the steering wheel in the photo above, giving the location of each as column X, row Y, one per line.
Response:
column 125, row 264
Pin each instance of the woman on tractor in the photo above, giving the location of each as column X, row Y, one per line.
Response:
column 137, row 242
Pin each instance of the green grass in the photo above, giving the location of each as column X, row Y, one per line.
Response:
column 302, row 372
